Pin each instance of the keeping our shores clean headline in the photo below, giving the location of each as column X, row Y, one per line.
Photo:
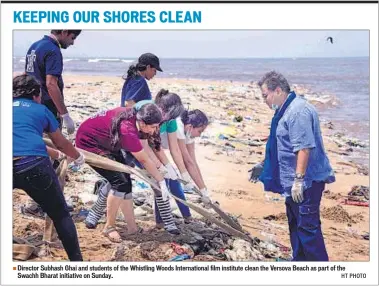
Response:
column 107, row 17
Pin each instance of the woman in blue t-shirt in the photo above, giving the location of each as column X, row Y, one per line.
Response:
column 32, row 169
column 135, row 86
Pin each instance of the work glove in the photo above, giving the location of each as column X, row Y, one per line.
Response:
column 186, row 178
column 297, row 191
column 205, row 196
column 189, row 187
column 77, row 163
column 172, row 174
column 68, row 123
column 164, row 190
column 255, row 172
column 164, row 172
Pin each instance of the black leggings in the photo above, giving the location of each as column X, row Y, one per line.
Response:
column 38, row 179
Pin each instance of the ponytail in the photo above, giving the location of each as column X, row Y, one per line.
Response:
column 185, row 117
column 155, row 141
column 116, row 124
column 160, row 94
column 170, row 104
column 196, row 118
column 133, row 71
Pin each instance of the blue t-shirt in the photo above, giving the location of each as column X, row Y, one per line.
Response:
column 30, row 120
column 135, row 89
column 44, row 58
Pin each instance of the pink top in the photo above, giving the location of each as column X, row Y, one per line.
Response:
column 94, row 134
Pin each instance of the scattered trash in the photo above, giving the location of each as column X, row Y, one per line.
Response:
column 180, row 257
column 222, row 137
column 366, row 236
column 142, row 185
column 278, row 217
column 356, row 203
column 359, row 191
column 238, row 118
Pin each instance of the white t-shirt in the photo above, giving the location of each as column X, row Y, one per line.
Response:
column 180, row 134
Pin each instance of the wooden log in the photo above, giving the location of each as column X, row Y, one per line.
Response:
column 108, row 164
column 216, row 208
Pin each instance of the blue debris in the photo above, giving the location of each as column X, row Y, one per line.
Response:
column 180, row 257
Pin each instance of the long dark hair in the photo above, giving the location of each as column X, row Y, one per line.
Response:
column 170, row 104
column 133, row 71
column 148, row 113
column 195, row 117
column 25, row 86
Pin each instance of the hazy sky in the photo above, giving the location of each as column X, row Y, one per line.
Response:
column 208, row 44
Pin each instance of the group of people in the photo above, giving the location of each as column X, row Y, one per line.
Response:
column 138, row 132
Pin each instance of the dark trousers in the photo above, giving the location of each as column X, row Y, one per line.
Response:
column 304, row 223
column 39, row 180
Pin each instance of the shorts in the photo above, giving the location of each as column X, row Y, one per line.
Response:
column 119, row 181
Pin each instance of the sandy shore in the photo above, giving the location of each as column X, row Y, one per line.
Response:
column 225, row 156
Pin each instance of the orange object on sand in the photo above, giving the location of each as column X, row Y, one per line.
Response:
column 356, row 203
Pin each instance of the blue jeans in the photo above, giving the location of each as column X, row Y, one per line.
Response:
column 304, row 223
column 38, row 179
column 177, row 190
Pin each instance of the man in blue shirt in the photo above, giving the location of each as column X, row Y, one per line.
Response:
column 44, row 61
column 295, row 165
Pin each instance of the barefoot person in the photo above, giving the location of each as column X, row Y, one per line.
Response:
column 295, row 165
column 32, row 169
column 106, row 134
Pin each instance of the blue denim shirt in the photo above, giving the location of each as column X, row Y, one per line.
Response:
column 299, row 128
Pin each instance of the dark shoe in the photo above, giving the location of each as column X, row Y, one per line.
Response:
column 90, row 225
column 174, row 231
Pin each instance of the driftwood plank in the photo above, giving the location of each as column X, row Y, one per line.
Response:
column 108, row 164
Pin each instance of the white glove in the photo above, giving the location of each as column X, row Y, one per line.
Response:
column 164, row 190
column 188, row 187
column 172, row 174
column 297, row 190
column 186, row 177
column 205, row 196
column 80, row 161
column 69, row 123
column 164, row 172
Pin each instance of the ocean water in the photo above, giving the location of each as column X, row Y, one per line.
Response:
column 346, row 79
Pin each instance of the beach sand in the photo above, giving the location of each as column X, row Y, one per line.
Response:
column 224, row 164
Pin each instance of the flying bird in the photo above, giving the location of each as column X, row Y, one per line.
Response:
column 329, row 39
